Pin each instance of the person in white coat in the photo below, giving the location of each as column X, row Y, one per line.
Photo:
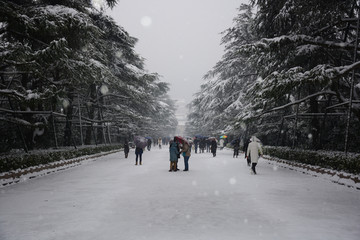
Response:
column 254, row 151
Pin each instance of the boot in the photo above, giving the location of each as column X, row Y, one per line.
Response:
column 171, row 167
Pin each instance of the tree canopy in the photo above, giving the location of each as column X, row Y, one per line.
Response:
column 290, row 53
column 65, row 64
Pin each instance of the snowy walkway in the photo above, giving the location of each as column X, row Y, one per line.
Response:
column 113, row 199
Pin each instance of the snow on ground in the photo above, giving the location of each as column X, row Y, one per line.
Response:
column 218, row 198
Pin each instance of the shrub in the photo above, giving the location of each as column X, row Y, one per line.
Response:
column 332, row 160
column 21, row 161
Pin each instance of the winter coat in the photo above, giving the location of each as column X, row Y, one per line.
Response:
column 126, row 148
column 221, row 143
column 236, row 144
column 138, row 150
column 186, row 150
column 173, row 152
column 246, row 145
column 254, row 149
column 202, row 143
column 213, row 146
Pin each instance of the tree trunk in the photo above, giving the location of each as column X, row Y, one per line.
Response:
column 314, row 124
column 68, row 126
column 91, row 112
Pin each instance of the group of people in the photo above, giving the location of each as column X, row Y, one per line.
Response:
column 252, row 148
column 176, row 149
column 210, row 144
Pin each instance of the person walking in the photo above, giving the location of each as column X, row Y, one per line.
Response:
column 196, row 144
column 253, row 151
column 186, row 154
column 149, row 144
column 248, row 158
column 138, row 151
column 174, row 151
column 202, row 145
column 222, row 141
column 126, row 148
column 208, row 143
column 159, row 142
column 236, row 148
column 213, row 147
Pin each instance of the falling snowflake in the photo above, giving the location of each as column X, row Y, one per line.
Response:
column 232, row 181
column 65, row 103
column 146, row 21
column 104, row 89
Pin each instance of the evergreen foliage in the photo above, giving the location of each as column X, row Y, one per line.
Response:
column 68, row 58
column 285, row 62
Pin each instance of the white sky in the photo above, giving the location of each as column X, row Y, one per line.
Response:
column 180, row 40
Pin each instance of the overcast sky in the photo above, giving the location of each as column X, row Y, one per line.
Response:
column 180, row 39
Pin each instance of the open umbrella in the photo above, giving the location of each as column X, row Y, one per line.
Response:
column 223, row 136
column 212, row 139
column 140, row 141
column 181, row 140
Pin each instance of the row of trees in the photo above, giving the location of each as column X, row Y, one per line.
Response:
column 288, row 75
column 69, row 75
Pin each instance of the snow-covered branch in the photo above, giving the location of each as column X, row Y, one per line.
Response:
column 297, row 101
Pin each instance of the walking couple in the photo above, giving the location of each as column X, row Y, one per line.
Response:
column 175, row 153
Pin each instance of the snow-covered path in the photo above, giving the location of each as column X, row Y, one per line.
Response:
column 218, row 198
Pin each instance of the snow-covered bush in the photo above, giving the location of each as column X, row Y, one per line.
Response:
column 14, row 162
column 333, row 160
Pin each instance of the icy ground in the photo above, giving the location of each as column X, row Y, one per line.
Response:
column 112, row 199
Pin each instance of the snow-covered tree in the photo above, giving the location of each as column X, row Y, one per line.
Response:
column 221, row 98
column 60, row 60
column 303, row 54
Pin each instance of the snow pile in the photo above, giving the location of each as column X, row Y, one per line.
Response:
column 340, row 177
column 23, row 175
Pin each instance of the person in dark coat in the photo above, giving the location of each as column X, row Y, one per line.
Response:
column 202, row 145
column 126, row 149
column 149, row 144
column 245, row 150
column 213, row 147
column 174, row 152
column 138, row 151
column 236, row 148
column 208, row 144
column 196, row 144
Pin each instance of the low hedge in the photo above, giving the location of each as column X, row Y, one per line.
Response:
column 326, row 159
column 22, row 161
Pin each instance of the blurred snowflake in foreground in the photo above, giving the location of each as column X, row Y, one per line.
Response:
column 232, row 181
column 146, row 21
